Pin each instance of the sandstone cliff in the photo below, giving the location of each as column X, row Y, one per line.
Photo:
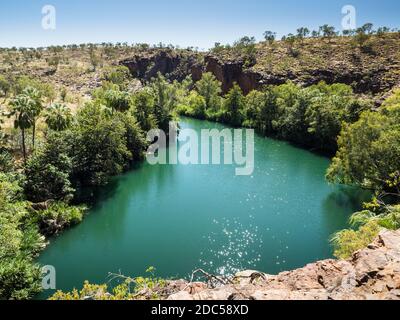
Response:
column 374, row 69
column 372, row 273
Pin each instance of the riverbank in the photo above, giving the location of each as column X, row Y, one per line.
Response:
column 371, row 274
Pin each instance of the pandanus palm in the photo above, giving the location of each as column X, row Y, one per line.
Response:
column 22, row 107
column 58, row 117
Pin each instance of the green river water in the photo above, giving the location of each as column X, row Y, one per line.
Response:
column 178, row 218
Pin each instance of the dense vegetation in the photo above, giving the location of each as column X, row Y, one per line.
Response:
column 312, row 116
column 369, row 157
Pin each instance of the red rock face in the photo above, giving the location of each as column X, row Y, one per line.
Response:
column 147, row 67
column 233, row 72
column 177, row 68
column 176, row 65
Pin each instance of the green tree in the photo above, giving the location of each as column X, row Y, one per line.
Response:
column 327, row 31
column 270, row 36
column 48, row 171
column 95, row 60
column 302, row 33
column 234, row 105
column 165, row 101
column 100, row 146
column 368, row 28
column 246, row 48
column 143, row 110
column 261, row 110
column 22, row 108
column 135, row 139
column 330, row 106
column 369, row 153
column 58, row 117
column 347, row 242
column 292, row 103
column 361, row 38
column 253, row 104
column 36, row 96
column 118, row 100
column 118, row 75
column 289, row 41
column 382, row 30
column 20, row 241
column 197, row 105
column 5, row 87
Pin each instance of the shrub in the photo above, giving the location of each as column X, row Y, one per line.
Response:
column 347, row 242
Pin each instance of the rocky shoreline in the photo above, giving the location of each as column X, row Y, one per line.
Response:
column 371, row 274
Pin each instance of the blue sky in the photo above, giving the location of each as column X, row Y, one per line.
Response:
column 180, row 22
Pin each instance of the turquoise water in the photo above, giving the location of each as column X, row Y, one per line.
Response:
column 178, row 218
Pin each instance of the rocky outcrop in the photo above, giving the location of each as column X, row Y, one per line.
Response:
column 374, row 71
column 230, row 72
column 177, row 66
column 372, row 273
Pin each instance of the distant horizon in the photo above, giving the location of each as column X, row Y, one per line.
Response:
column 165, row 45
column 177, row 22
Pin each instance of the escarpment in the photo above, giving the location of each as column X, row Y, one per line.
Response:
column 370, row 70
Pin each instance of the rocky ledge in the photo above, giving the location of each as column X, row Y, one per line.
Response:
column 372, row 273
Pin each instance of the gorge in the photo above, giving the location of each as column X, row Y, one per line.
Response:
column 178, row 218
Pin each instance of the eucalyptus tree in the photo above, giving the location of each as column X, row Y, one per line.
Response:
column 327, row 31
column 270, row 36
column 369, row 153
column 368, row 28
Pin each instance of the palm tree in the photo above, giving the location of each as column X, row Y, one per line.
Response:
column 58, row 117
column 22, row 108
column 36, row 96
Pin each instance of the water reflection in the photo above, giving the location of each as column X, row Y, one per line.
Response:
column 235, row 246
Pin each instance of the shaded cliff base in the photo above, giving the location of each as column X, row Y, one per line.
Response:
column 371, row 274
